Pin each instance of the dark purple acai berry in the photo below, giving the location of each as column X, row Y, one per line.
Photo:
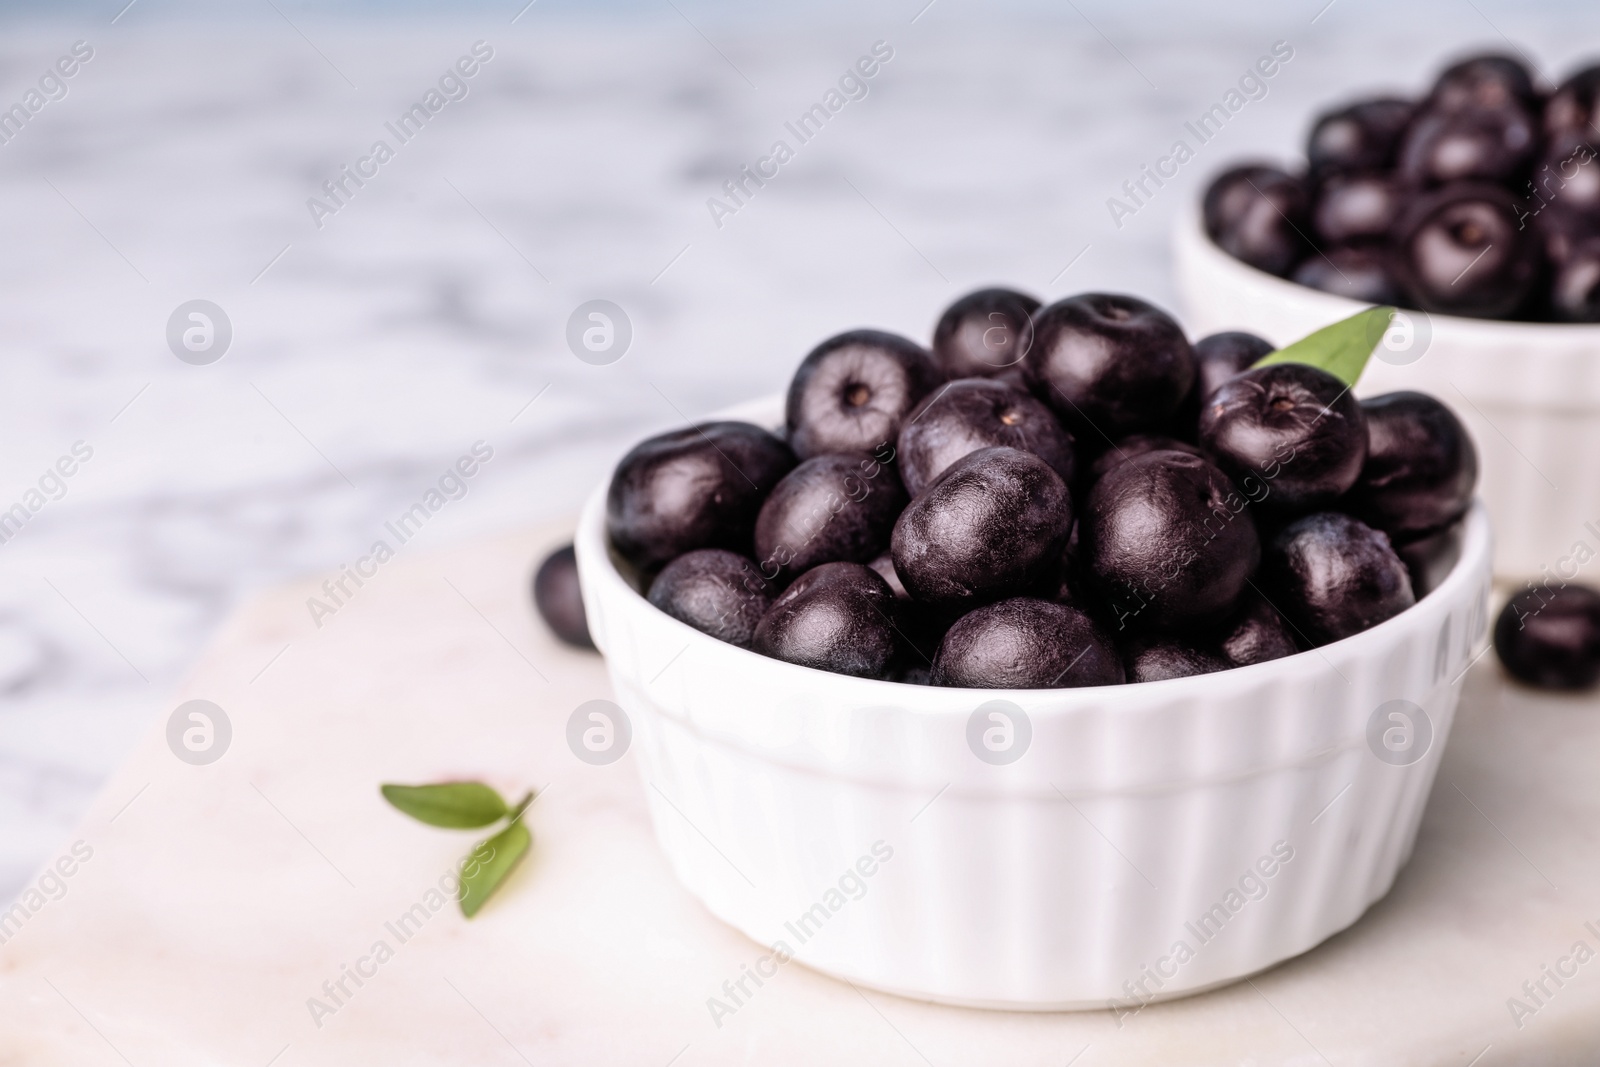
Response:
column 1359, row 136
column 992, row 526
column 1561, row 230
column 1024, row 643
column 985, row 334
column 1223, row 355
column 1485, row 81
column 1430, row 557
column 835, row 617
column 1257, row 633
column 1333, row 576
column 1259, row 214
column 1216, row 359
column 1574, row 108
column 1462, row 250
column 1420, row 469
column 853, row 391
column 1567, row 181
column 1135, row 445
column 1292, row 428
column 1473, row 144
column 1571, row 242
column 972, row 413
column 1550, row 637
column 699, row 487
column 558, row 598
column 838, row 507
column 1161, row 659
column 1359, row 272
column 1357, row 207
column 1110, row 365
column 716, row 591
column 1168, row 542
column 1575, row 284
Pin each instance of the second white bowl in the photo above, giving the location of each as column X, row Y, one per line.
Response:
column 1528, row 392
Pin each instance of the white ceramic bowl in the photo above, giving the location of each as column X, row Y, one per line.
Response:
column 1529, row 393
column 1133, row 818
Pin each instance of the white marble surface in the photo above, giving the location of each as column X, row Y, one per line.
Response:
column 429, row 312
column 212, row 903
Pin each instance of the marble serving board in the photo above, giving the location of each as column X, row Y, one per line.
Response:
column 215, row 913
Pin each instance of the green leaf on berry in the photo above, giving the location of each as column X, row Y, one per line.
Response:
column 457, row 805
column 1341, row 349
column 489, row 863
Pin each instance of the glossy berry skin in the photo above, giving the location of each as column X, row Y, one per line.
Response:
column 835, row 617
column 1292, row 428
column 1135, row 445
column 1333, row 576
column 557, row 597
column 1110, row 365
column 1259, row 215
column 1167, row 542
column 1361, row 273
column 1549, row 637
column 1567, row 180
column 1485, row 81
column 992, row 526
column 716, row 591
column 853, row 391
column 985, row 334
column 699, row 487
column 1462, row 250
column 1421, row 466
column 831, row 508
column 1563, row 231
column 1026, row 643
column 1167, row 658
column 1475, row 144
column 1574, row 108
column 1356, row 207
column 1222, row 355
column 1359, row 137
column 1575, row 284
column 1257, row 633
column 972, row 413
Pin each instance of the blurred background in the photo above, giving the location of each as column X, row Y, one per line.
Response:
column 362, row 339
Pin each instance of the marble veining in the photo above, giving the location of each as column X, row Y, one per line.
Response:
column 429, row 312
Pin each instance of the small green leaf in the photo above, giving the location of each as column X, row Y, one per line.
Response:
column 489, row 863
column 458, row 805
column 1341, row 349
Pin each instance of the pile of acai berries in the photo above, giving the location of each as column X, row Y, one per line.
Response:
column 1066, row 496
column 1480, row 199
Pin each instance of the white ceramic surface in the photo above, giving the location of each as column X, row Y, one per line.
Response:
column 1529, row 393
column 1054, row 881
